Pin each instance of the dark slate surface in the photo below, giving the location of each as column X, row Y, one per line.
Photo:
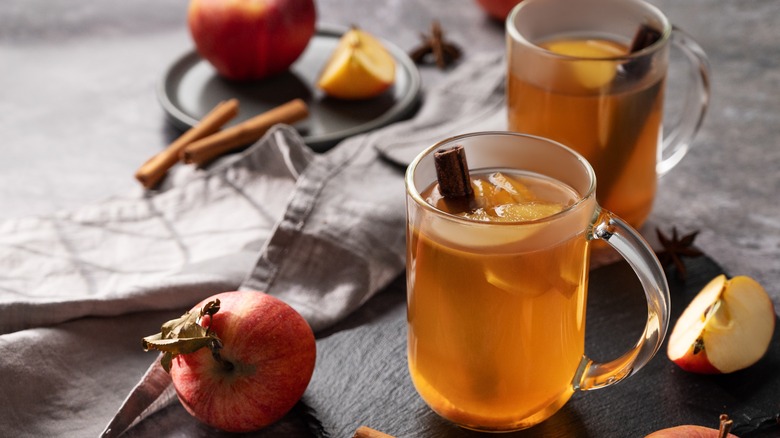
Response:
column 362, row 379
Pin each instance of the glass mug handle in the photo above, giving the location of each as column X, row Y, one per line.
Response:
column 696, row 100
column 628, row 243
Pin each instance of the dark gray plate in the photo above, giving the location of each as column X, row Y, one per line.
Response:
column 191, row 88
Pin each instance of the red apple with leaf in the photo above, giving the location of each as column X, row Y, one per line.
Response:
column 251, row 39
column 239, row 361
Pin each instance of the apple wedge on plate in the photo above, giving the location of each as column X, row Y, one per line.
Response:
column 359, row 68
column 727, row 327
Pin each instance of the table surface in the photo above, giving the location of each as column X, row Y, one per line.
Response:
column 79, row 113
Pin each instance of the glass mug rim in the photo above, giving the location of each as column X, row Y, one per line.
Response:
column 518, row 37
column 582, row 197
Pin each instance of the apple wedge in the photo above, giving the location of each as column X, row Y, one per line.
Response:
column 727, row 327
column 359, row 68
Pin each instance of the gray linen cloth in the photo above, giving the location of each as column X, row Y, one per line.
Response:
column 324, row 232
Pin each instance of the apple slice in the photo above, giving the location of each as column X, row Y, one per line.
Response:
column 359, row 68
column 727, row 327
column 596, row 69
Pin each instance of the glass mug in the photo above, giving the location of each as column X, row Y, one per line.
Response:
column 496, row 310
column 572, row 79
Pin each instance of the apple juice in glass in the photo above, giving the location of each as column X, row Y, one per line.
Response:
column 497, row 284
column 615, row 127
column 594, row 79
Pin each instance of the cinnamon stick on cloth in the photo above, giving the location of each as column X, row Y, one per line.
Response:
column 154, row 169
column 211, row 147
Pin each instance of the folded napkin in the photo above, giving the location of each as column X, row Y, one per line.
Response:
column 324, row 232
column 148, row 251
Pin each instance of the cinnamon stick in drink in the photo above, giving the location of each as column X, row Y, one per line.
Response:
column 155, row 168
column 629, row 116
column 207, row 149
column 452, row 173
column 644, row 37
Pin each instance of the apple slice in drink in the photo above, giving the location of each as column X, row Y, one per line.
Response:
column 596, row 69
column 500, row 199
column 498, row 188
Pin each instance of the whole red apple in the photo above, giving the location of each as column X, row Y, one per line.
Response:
column 251, row 39
column 689, row 431
column 262, row 369
column 695, row 431
column 498, row 9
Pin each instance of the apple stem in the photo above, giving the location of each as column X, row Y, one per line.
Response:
column 725, row 426
column 354, row 41
column 215, row 346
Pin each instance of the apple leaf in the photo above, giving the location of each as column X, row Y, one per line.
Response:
column 184, row 335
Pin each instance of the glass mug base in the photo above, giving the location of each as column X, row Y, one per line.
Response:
column 488, row 421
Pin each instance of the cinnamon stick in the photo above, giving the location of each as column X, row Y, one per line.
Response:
column 209, row 148
column 452, row 173
column 631, row 110
column 155, row 168
column 644, row 37
column 436, row 44
column 367, row 432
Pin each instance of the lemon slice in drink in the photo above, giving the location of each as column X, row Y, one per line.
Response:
column 595, row 70
column 359, row 68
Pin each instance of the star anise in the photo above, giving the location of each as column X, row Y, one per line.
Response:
column 675, row 248
column 435, row 48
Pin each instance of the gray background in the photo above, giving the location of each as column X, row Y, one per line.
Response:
column 78, row 110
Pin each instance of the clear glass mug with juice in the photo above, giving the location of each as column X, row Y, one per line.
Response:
column 591, row 74
column 497, row 288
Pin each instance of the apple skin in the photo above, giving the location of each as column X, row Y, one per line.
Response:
column 696, row 363
column 273, row 351
column 498, row 9
column 688, row 431
column 251, row 39
column 727, row 327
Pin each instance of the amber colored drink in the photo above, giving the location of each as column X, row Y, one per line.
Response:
column 599, row 109
column 497, row 317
